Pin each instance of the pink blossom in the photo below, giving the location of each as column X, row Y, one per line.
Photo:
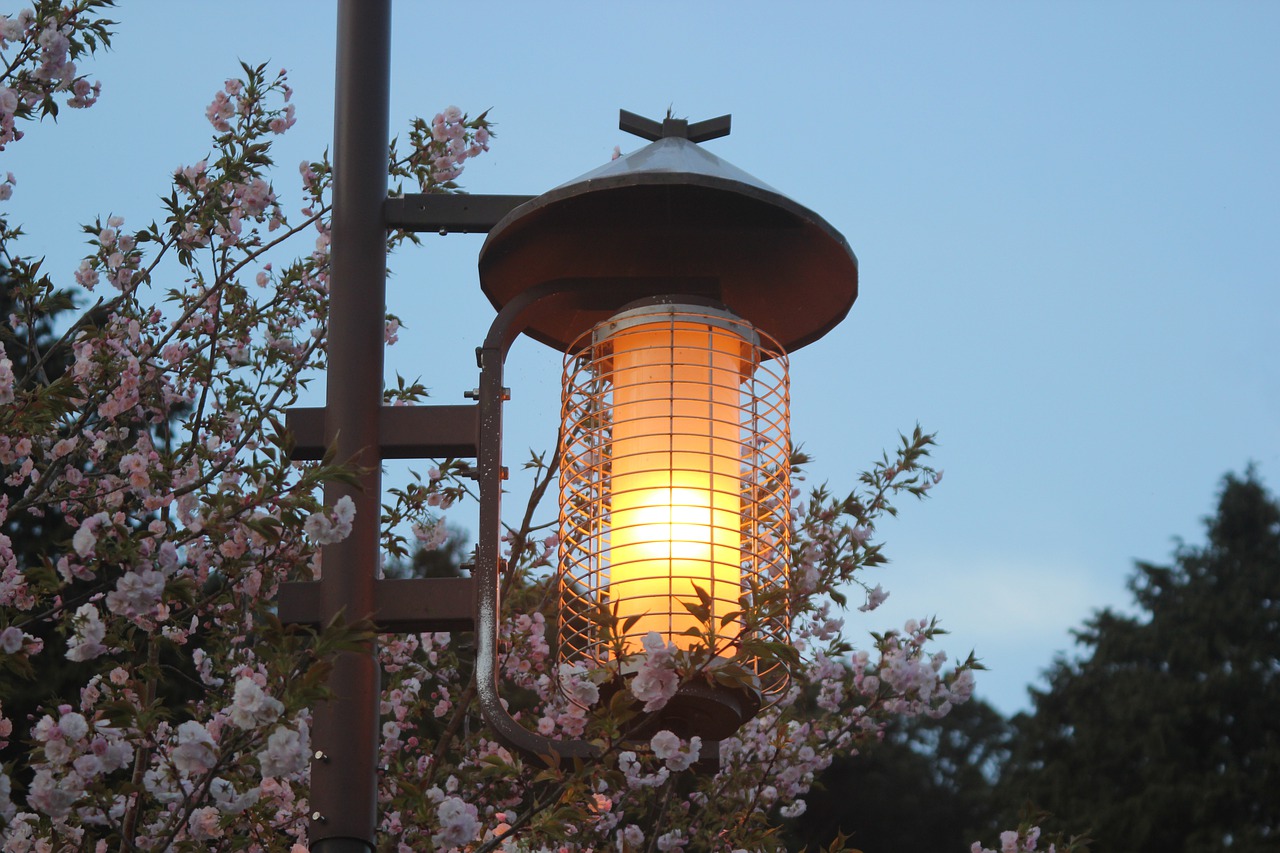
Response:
column 53, row 795
column 286, row 752
column 134, row 466
column 219, row 111
column 256, row 196
column 86, row 537
column 195, row 752
column 656, row 681
column 11, row 640
column 324, row 529
column 677, row 754
column 136, row 594
column 875, row 598
column 203, row 824
column 673, row 840
column 432, row 534
column 7, row 378
column 86, row 642
column 228, row 800
column 280, row 124
column 458, row 823
column 251, row 707
column 630, row 839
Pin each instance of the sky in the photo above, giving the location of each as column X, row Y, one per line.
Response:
column 1066, row 215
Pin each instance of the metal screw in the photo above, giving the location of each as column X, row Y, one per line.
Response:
column 318, row 818
column 320, row 755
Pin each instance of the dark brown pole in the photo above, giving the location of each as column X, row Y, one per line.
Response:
column 345, row 734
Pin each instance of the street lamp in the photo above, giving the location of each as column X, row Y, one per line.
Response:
column 675, row 283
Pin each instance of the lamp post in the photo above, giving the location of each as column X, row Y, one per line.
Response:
column 676, row 284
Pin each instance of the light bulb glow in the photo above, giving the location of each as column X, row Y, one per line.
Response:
column 674, row 477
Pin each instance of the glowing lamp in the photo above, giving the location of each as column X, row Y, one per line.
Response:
column 674, row 478
column 675, row 284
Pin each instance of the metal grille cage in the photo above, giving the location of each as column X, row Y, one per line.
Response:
column 675, row 477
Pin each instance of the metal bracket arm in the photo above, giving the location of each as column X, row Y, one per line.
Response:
column 408, row 606
column 404, row 432
column 464, row 213
column 489, row 564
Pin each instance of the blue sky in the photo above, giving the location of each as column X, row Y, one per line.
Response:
column 1066, row 217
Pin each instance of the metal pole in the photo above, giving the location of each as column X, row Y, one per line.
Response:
column 345, row 732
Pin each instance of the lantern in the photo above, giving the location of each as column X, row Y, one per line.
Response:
column 675, row 284
column 674, row 481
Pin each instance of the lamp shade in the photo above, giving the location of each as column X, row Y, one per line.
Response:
column 673, row 218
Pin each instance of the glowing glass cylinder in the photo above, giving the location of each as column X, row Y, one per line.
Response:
column 674, row 477
column 676, row 493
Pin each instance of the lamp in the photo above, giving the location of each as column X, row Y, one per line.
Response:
column 675, row 481
column 675, row 283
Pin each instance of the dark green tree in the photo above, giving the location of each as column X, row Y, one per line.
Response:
column 927, row 786
column 1164, row 735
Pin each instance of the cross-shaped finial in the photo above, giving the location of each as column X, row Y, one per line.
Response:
column 647, row 128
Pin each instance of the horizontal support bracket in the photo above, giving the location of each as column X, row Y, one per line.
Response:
column 406, row 606
column 404, row 432
column 463, row 213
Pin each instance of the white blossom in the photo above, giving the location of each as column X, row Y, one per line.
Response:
column 86, row 643
column 286, row 752
column 195, row 750
column 251, row 707
column 458, row 823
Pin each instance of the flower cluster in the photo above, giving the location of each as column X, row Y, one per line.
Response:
column 38, row 47
column 1026, row 837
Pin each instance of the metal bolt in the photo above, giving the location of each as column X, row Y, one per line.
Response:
column 506, row 394
column 318, row 818
column 320, row 755
column 473, row 394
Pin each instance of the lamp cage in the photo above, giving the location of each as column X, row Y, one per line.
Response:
column 675, row 478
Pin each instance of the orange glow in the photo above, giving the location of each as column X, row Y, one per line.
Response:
column 676, row 478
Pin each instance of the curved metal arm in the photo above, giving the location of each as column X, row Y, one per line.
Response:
column 488, row 569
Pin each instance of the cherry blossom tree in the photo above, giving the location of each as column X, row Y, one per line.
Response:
column 152, row 427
